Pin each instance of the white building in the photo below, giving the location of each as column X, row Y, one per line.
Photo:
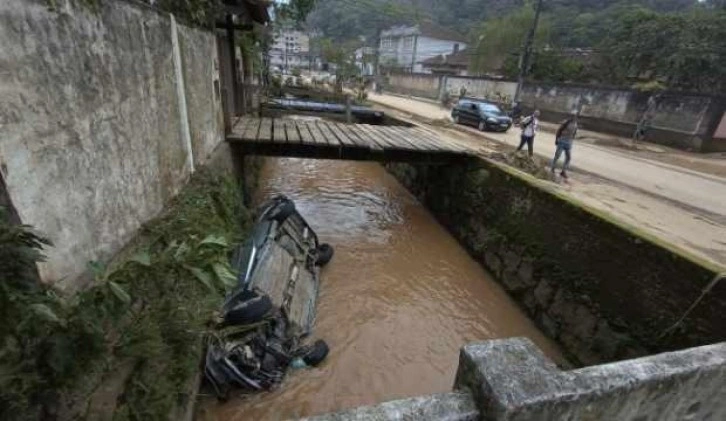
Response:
column 405, row 47
column 290, row 49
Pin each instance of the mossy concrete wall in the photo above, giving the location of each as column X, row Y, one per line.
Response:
column 605, row 291
column 105, row 109
column 511, row 379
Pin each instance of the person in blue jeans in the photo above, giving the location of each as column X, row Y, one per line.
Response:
column 563, row 139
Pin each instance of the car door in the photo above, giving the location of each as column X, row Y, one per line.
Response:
column 460, row 110
column 472, row 114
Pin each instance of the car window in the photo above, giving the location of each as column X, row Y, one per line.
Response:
column 490, row 109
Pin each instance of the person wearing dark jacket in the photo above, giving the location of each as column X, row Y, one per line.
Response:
column 563, row 139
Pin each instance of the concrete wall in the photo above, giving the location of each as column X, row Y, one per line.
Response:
column 499, row 91
column 686, row 121
column 94, row 135
column 511, row 380
column 419, row 84
column 681, row 120
column 603, row 290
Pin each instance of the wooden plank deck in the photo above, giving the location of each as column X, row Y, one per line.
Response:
column 332, row 140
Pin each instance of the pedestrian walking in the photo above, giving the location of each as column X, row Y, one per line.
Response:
column 530, row 126
column 462, row 92
column 563, row 140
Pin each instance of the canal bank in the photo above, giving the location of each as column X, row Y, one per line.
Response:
column 397, row 302
column 605, row 291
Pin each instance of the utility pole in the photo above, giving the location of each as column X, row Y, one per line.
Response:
column 524, row 61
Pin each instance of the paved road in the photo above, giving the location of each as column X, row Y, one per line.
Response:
column 702, row 191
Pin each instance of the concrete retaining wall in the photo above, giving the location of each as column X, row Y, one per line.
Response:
column 103, row 114
column 686, row 121
column 511, row 380
column 605, row 291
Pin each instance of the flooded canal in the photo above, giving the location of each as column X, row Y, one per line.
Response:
column 397, row 302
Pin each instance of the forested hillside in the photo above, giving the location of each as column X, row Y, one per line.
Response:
column 343, row 19
column 653, row 43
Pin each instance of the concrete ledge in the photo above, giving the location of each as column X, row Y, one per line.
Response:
column 512, row 380
column 456, row 406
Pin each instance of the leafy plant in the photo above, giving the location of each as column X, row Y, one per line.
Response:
column 150, row 307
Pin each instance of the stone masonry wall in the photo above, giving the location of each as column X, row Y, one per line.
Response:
column 99, row 126
column 603, row 290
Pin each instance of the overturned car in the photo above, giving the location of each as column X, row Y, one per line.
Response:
column 266, row 320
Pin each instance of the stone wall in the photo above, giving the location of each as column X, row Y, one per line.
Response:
column 103, row 114
column 604, row 290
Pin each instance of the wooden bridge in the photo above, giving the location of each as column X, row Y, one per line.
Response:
column 331, row 140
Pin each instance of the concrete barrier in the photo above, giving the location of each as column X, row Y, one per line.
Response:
column 104, row 114
column 511, row 380
column 680, row 119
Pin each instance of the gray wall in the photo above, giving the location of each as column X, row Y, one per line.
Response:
column 681, row 120
column 93, row 136
column 686, row 121
column 570, row 267
column 511, row 380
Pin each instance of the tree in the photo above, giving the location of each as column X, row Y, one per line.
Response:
column 683, row 51
column 498, row 40
column 295, row 10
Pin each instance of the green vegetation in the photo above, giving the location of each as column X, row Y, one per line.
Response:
column 674, row 43
column 621, row 44
column 147, row 311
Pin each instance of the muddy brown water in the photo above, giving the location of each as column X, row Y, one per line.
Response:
column 397, row 302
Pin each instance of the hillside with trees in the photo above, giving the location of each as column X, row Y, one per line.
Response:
column 654, row 43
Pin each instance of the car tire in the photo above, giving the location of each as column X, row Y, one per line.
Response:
column 317, row 353
column 282, row 211
column 482, row 126
column 248, row 311
column 324, row 254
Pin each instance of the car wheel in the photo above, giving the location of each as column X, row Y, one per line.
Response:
column 482, row 126
column 249, row 311
column 317, row 353
column 324, row 254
